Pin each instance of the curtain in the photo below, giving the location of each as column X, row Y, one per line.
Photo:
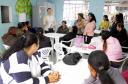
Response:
column 24, row 6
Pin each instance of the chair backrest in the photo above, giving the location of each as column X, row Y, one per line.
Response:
column 59, row 50
column 124, row 65
column 45, row 52
column 70, row 42
column 125, row 49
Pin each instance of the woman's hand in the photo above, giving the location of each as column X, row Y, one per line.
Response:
column 54, row 77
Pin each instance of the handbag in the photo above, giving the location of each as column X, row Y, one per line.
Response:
column 79, row 40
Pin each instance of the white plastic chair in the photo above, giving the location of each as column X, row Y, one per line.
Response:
column 124, row 64
column 123, row 61
column 70, row 41
column 125, row 53
column 45, row 52
column 59, row 50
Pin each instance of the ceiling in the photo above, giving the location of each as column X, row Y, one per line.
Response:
column 117, row 1
column 114, row 1
column 122, row 3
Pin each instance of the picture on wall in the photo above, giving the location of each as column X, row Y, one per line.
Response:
column 5, row 14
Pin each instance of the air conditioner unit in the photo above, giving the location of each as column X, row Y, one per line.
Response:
column 121, row 8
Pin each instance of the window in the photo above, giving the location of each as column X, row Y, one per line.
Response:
column 72, row 8
column 5, row 14
column 111, row 9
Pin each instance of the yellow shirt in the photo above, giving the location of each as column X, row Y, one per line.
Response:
column 104, row 25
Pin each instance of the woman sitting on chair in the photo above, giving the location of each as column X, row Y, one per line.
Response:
column 122, row 36
column 101, row 71
column 10, row 37
column 44, row 41
column 89, row 28
column 63, row 28
column 111, row 47
column 70, row 35
column 19, row 65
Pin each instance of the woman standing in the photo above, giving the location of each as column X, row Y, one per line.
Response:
column 80, row 23
column 89, row 28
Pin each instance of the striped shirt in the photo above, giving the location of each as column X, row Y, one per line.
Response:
column 21, row 69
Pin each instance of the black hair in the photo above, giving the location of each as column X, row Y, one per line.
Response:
column 64, row 21
column 121, row 25
column 39, row 33
column 21, row 24
column 119, row 18
column 27, row 22
column 81, row 15
column 93, row 17
column 106, row 17
column 105, row 35
column 24, row 41
column 74, row 30
column 98, row 60
column 72, row 58
column 48, row 9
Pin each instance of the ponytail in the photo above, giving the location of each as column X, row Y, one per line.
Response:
column 100, row 63
column 24, row 41
column 105, row 78
column 104, row 46
column 105, row 35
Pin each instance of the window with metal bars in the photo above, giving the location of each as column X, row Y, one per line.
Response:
column 72, row 8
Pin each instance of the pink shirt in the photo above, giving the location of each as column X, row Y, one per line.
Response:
column 114, row 50
column 89, row 28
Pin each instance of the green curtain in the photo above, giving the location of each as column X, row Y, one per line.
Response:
column 24, row 6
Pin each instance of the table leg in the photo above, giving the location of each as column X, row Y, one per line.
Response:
column 52, row 52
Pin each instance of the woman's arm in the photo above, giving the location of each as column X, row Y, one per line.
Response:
column 21, row 74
